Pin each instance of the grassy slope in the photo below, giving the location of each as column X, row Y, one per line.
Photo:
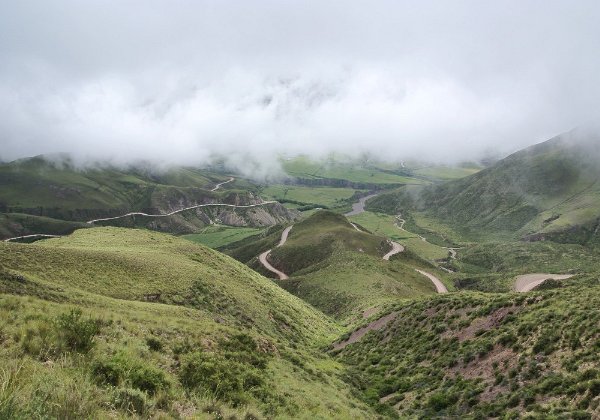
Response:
column 18, row 224
column 493, row 266
column 219, row 236
column 200, row 300
column 55, row 192
column 480, row 356
column 340, row 270
column 39, row 183
column 385, row 225
column 544, row 189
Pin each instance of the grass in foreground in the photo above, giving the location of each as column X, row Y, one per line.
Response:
column 116, row 322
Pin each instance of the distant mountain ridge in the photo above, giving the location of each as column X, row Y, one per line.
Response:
column 44, row 192
column 547, row 191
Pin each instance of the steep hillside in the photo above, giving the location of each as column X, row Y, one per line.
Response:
column 338, row 267
column 54, row 191
column 109, row 322
column 548, row 191
column 484, row 356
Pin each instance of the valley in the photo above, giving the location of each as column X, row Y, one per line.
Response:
column 345, row 289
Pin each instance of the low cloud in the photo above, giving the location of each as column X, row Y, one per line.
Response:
column 186, row 83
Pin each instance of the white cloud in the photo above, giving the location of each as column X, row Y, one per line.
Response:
column 180, row 82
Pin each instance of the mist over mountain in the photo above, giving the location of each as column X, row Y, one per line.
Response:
column 190, row 83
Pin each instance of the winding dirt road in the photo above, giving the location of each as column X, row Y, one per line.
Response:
column 137, row 213
column 402, row 222
column 527, row 282
column 265, row 262
column 355, row 227
column 439, row 286
column 396, row 249
column 231, row 179
column 35, row 235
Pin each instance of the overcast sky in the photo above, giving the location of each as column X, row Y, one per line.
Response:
column 180, row 81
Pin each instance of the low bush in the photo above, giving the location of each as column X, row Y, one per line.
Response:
column 122, row 370
column 131, row 400
column 75, row 333
column 234, row 373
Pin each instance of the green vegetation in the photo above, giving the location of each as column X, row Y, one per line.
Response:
column 115, row 322
column 301, row 196
column 52, row 196
column 548, row 191
column 386, row 225
column 482, row 356
column 219, row 236
column 444, row 173
column 18, row 224
column 349, row 171
column 337, row 268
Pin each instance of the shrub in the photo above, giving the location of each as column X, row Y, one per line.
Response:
column 38, row 339
column 154, row 344
column 61, row 395
column 147, row 378
column 121, row 369
column 75, row 333
column 441, row 400
column 234, row 374
column 131, row 400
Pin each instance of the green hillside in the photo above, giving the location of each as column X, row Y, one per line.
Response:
column 112, row 321
column 484, row 356
column 336, row 268
column 548, row 191
column 57, row 196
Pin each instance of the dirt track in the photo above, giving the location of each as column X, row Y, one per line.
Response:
column 137, row 213
column 396, row 249
column 35, row 235
column 265, row 262
column 355, row 227
column 231, row 179
column 439, row 286
column 527, row 282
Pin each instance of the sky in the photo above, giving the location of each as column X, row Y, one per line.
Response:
column 183, row 82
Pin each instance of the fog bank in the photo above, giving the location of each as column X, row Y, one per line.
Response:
column 185, row 82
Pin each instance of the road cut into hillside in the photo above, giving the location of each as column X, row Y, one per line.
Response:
column 527, row 282
column 263, row 258
column 439, row 286
column 396, row 249
column 216, row 187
